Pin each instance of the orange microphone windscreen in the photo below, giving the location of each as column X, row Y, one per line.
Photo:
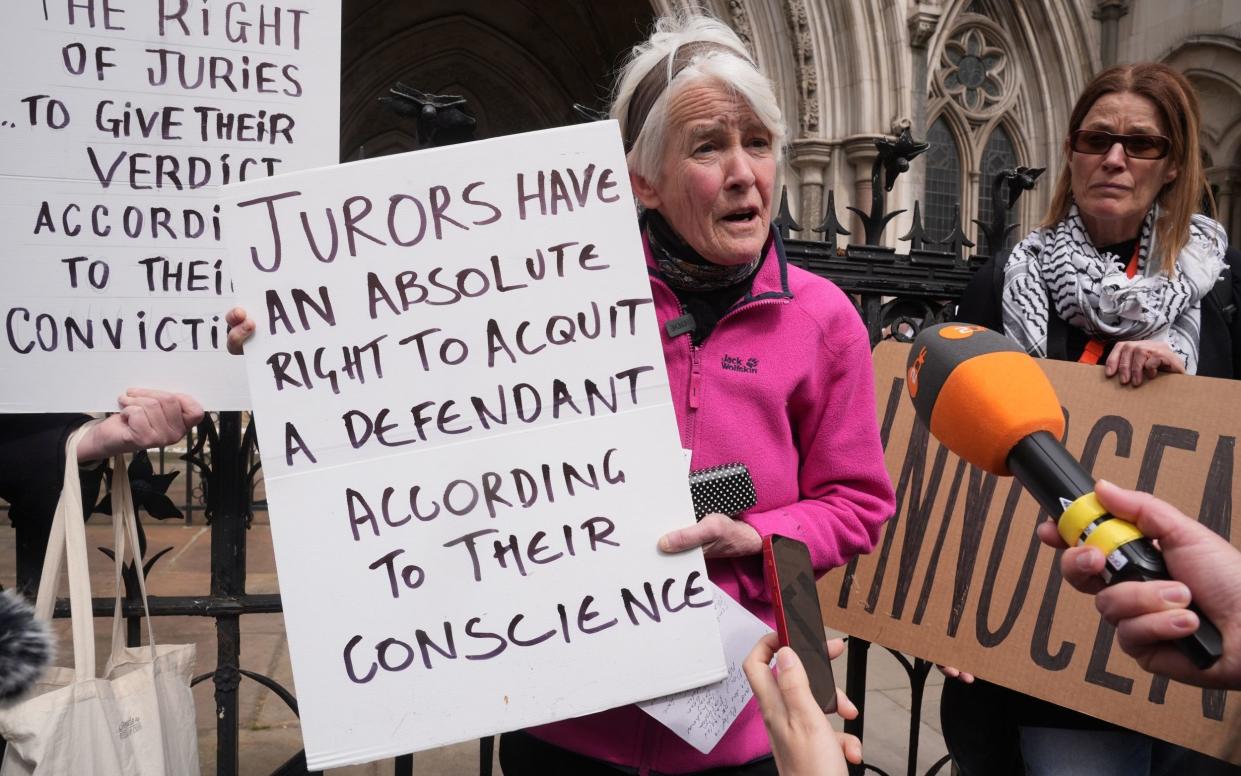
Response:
column 979, row 393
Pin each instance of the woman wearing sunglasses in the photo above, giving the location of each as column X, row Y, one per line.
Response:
column 1126, row 273
column 1121, row 271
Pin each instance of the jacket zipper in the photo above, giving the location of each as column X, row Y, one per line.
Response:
column 695, row 388
column 695, row 375
column 695, row 369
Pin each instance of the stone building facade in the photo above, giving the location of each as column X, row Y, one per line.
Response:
column 989, row 82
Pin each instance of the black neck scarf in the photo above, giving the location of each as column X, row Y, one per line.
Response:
column 685, row 269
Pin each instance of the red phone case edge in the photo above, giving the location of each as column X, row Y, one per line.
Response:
column 777, row 602
column 773, row 586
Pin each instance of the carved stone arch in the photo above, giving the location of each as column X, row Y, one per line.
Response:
column 864, row 66
column 1219, row 99
column 962, row 134
column 1029, row 211
column 1220, row 54
column 992, row 84
column 893, row 61
column 1053, row 53
column 837, row 71
column 847, row 89
column 522, row 65
column 1228, row 149
column 509, row 104
column 878, row 60
column 1212, row 63
column 859, row 66
column 983, row 134
column 766, row 30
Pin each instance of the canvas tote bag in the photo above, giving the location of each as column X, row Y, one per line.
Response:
column 135, row 720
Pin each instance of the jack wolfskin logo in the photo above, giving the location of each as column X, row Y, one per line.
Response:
column 735, row 364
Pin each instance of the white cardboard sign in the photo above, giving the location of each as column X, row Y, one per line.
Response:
column 468, row 441
column 119, row 121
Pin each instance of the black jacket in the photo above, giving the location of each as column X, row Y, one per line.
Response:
column 32, row 464
column 32, row 472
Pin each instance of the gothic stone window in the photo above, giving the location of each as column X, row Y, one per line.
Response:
column 974, row 70
column 943, row 180
column 997, row 155
column 974, row 90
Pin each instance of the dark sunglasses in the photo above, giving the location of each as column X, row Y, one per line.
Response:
column 1093, row 141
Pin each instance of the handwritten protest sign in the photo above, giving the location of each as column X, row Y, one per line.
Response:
column 119, row 121
column 960, row 578
column 468, row 441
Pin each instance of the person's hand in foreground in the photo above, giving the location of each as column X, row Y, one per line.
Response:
column 240, row 327
column 801, row 739
column 1150, row 616
column 719, row 536
column 148, row 418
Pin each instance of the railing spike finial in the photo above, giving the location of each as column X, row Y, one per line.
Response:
column 916, row 236
column 831, row 228
column 784, row 218
column 956, row 239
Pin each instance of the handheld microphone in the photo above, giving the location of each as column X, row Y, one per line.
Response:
column 25, row 646
column 987, row 400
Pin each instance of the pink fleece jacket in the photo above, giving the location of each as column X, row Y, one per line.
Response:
column 784, row 384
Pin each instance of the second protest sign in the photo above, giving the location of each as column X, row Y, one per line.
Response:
column 468, row 442
column 960, row 577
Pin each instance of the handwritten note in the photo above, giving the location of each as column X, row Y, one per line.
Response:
column 703, row 715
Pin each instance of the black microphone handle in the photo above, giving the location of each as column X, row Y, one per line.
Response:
column 1049, row 472
column 1056, row 479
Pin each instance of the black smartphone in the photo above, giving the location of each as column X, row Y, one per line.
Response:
column 799, row 621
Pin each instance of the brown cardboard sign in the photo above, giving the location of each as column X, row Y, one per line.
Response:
column 960, row 578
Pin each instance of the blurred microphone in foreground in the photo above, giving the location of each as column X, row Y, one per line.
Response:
column 988, row 401
column 25, row 646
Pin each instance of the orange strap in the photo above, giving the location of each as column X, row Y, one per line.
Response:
column 1094, row 349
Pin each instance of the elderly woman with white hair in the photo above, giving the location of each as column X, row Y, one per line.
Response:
column 769, row 366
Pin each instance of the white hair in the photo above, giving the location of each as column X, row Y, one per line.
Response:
column 735, row 72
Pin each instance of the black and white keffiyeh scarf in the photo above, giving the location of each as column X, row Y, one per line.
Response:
column 1091, row 291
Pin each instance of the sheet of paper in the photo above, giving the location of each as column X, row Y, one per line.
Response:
column 701, row 716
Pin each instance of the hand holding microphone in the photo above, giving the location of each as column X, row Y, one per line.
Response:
column 989, row 402
column 1150, row 617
